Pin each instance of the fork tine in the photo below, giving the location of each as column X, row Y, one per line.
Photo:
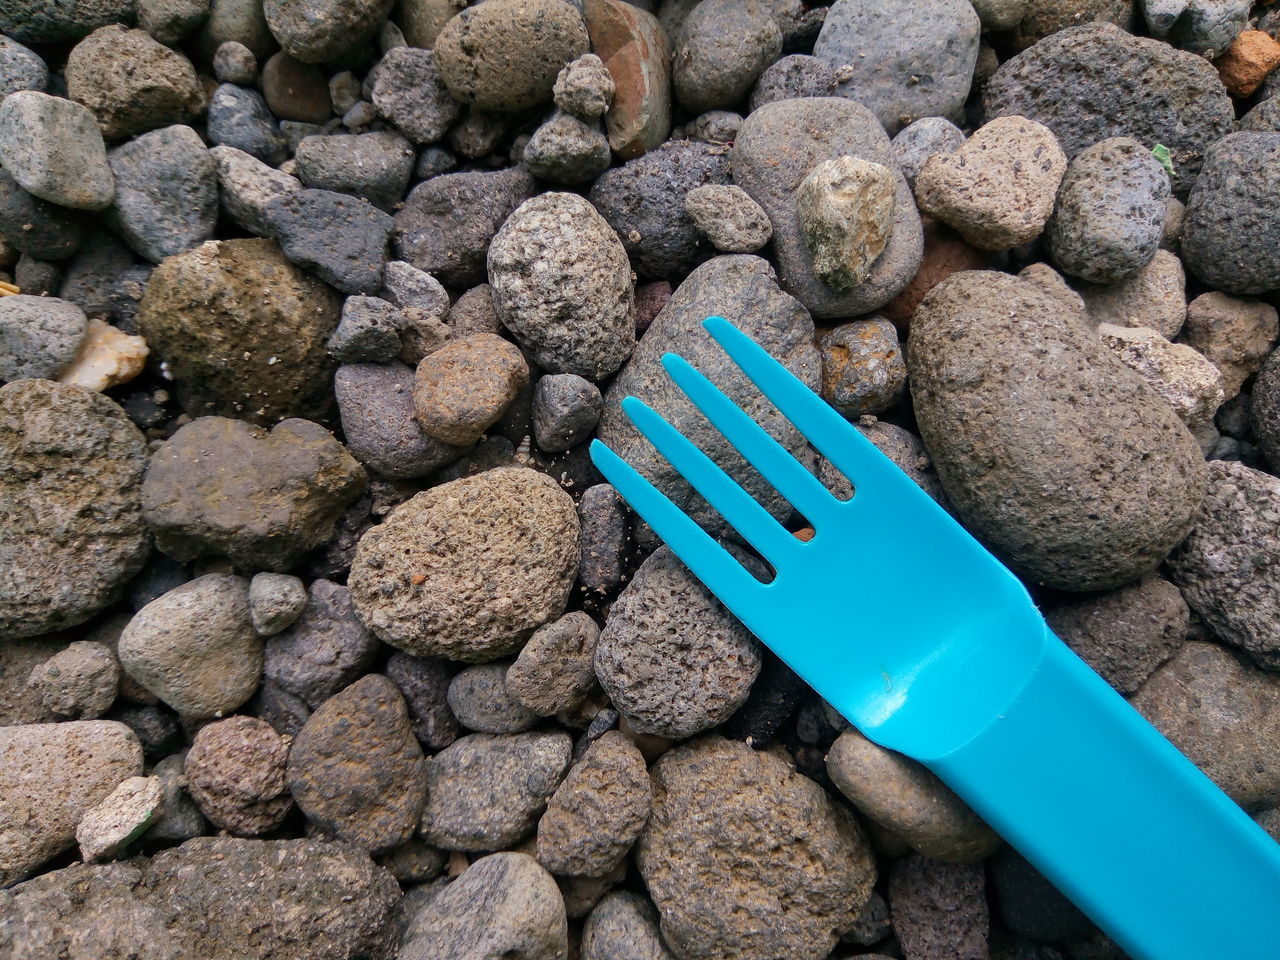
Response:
column 710, row 562
column 720, row 490
column 836, row 439
column 775, row 463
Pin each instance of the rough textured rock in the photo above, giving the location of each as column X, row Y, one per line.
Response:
column 728, row 217
column 1087, row 83
column 355, row 768
column 375, row 401
column 226, row 488
column 905, row 798
column 36, row 227
column 863, row 370
column 1247, row 62
column 33, row 21
column 424, row 681
column 923, row 61
column 463, row 388
column 722, row 47
column 218, row 898
column 242, row 330
column 623, row 924
column 1184, row 379
column 506, row 56
column 53, row 149
column 246, row 186
column 561, row 283
column 845, row 207
column 376, row 166
column 1124, row 634
column 409, row 92
column 325, row 649
column 1154, row 297
column 54, row 772
column 1223, row 716
column 776, row 149
column 793, row 76
column 317, row 31
column 741, row 287
column 916, row 143
column 566, row 409
column 671, row 658
column 109, row 827
column 470, row 568
column 80, row 681
column 997, row 189
column 1228, row 236
column 1227, row 566
column 938, row 909
column 584, row 88
column 1264, row 408
column 131, row 82
column 1000, row 400
column 486, row 791
column 555, row 670
column 340, row 238
column 1206, row 27
column 566, row 149
column 71, row 468
column 239, row 118
column 1236, row 333
column 744, row 857
column 275, row 601
column 635, row 51
column 39, row 336
column 597, row 813
column 235, row 772
column 505, row 905
column 479, row 698
column 195, row 647
column 447, row 222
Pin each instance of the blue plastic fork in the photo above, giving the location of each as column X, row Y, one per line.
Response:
column 950, row 663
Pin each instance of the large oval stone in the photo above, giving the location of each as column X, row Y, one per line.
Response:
column 1061, row 459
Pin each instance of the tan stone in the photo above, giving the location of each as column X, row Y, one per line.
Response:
column 1236, row 333
column 107, row 358
column 120, row 818
column 1184, row 378
column 846, row 216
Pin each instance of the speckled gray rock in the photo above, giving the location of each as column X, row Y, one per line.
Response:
column 325, row 649
column 447, row 222
column 997, row 189
column 728, row 217
column 53, row 148
column 904, row 797
column 1185, row 379
column 235, row 772
column 643, row 200
column 166, row 192
column 918, row 141
column 424, row 681
column 744, row 857
column 409, row 92
column 663, row 622
column 1110, row 212
column 1206, row 27
column 1227, row 567
column 36, row 227
column 239, row 118
column 195, row 647
column 35, row 21
column 316, row 31
column 463, row 388
column 131, row 82
column 505, row 905
column 369, row 331
column 479, row 698
column 375, row 401
column 507, row 54
column 898, row 444
column 1222, row 715
column 223, row 487
column 1154, row 297
column 233, row 62
column 53, row 774
column 80, row 681
column 1264, row 408
column 561, row 283
column 565, row 411
column 597, row 813
column 742, row 287
column 1087, row 83
column 375, row 166
column 275, row 601
column 904, row 36
column 247, row 186
column 20, row 68
column 939, row 910
column 797, row 75
column 623, row 924
column 470, row 568
column 555, row 670
column 1236, row 333
column 567, row 149
column 486, row 791
column 39, row 336
column 340, row 238
column 71, row 468
column 171, row 21
column 355, row 768
column 1124, row 634
column 863, row 370
column 722, row 47
column 776, row 149
column 714, row 126
column 584, row 88
column 991, row 388
column 1232, row 225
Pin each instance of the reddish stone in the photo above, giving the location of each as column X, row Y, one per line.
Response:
column 945, row 253
column 635, row 51
column 1251, row 56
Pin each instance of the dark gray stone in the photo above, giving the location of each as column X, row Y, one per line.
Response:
column 1088, row 83
column 794, row 76
column 1206, row 27
column 37, row 21
column 643, row 200
column 324, row 650
column 1030, row 905
column 606, row 540
column 20, row 68
column 239, row 118
column 375, row 166
column 322, row 31
column 479, row 698
column 722, row 47
column 424, row 681
column 565, row 411
column 1264, row 409
column 939, row 909
column 342, row 239
column 171, row 21
column 36, row 227
column 409, row 92
column 369, row 332
column 777, row 148
column 623, row 924
column 918, row 141
column 555, row 671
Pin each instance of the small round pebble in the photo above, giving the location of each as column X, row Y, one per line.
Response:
column 123, row 816
column 584, row 88
column 461, row 389
column 723, row 46
column 235, row 63
column 295, row 90
column 567, row 149
column 728, row 217
column 714, row 126
column 479, row 698
column 565, row 411
column 424, row 681
column 555, row 671
column 235, row 772
column 80, row 681
column 275, row 601
column 324, row 649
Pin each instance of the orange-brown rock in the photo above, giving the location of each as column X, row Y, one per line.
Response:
column 945, row 253
column 636, row 53
column 1251, row 56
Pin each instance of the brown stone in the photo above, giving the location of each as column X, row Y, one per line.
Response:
column 235, row 773
column 945, row 253
column 295, row 90
column 636, row 53
column 464, row 387
column 1252, row 55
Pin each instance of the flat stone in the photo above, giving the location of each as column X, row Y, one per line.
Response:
column 111, row 825
column 339, row 238
column 53, row 148
column 375, row 166
column 34, row 21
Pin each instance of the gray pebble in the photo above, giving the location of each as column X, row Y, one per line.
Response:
column 486, row 791
column 479, row 698
column 432, row 162
column 584, row 88
column 34, row 226
column 39, row 336
column 474, row 312
column 369, row 331
column 171, row 21
column 239, row 20
column 342, row 239
column 921, row 139
column 166, row 192
column 722, row 48
column 623, row 924
column 863, row 368
column 565, row 411
column 360, row 116
column 285, row 712
column 728, row 217
column 239, row 118
column 1205, row 27
column 316, row 31
column 424, row 681
column 324, row 649
column 20, row 68
column 479, row 133
column 406, row 286
column 275, row 601
column 797, row 75
column 410, row 93
column 1263, row 408
column 375, row 166
column 53, row 148
column 38, row 277
column 714, row 126
column 555, row 670
column 566, row 149
column 235, row 63
column 80, row 681
column 247, row 186
column 606, row 539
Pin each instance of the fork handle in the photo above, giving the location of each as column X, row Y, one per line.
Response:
column 1120, row 821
